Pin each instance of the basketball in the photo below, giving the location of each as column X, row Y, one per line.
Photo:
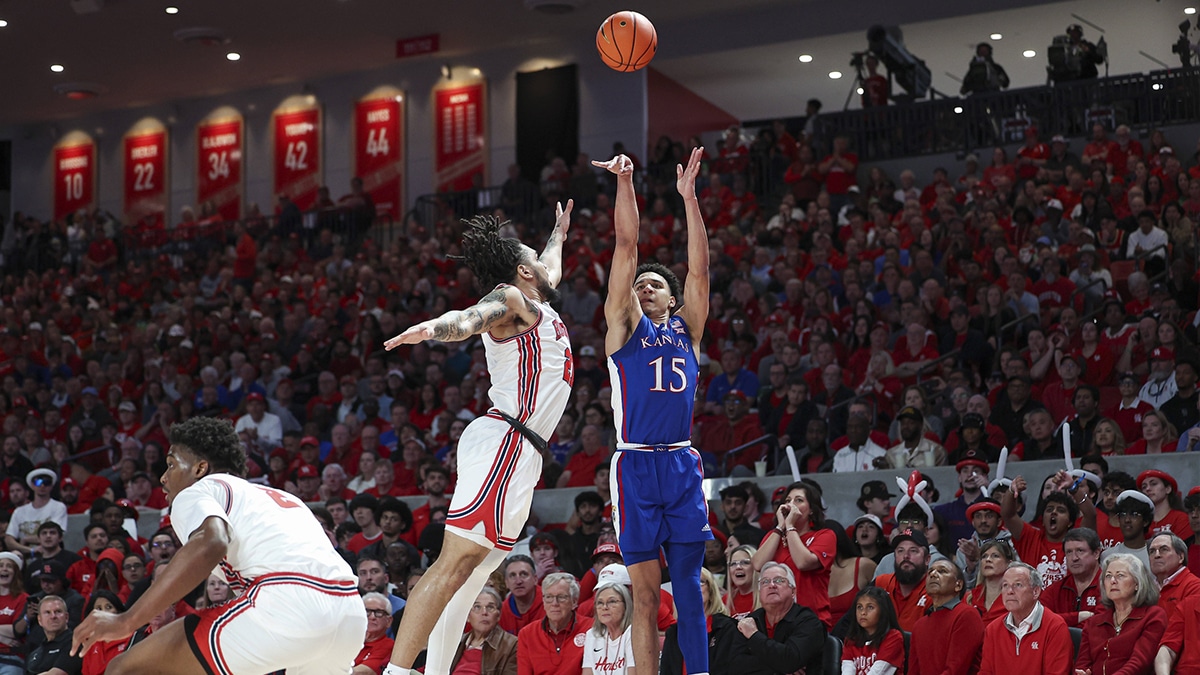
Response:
column 626, row 41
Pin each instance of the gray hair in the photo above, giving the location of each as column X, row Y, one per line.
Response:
column 1035, row 578
column 377, row 596
column 494, row 593
column 598, row 628
column 786, row 570
column 571, row 581
column 333, row 470
column 1178, row 544
column 1146, row 592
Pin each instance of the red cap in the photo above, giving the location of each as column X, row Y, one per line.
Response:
column 68, row 482
column 307, row 471
column 1161, row 475
column 309, row 440
column 1194, row 491
column 348, row 379
column 982, row 506
column 605, row 548
column 279, row 452
column 736, row 393
column 779, row 493
column 721, row 537
column 1162, row 354
column 971, row 461
column 255, row 396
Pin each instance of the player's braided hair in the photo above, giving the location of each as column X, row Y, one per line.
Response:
column 666, row 273
column 213, row 440
column 492, row 258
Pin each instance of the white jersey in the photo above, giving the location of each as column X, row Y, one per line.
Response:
column 532, row 372
column 270, row 531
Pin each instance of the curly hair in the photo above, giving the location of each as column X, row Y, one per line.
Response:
column 672, row 280
column 492, row 258
column 212, row 440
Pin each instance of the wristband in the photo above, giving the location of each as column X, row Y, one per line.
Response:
column 779, row 531
column 791, row 529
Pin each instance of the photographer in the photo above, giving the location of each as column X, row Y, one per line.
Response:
column 983, row 74
column 1072, row 57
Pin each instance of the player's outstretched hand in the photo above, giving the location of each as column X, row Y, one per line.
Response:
column 620, row 165
column 562, row 216
column 98, row 627
column 686, row 178
column 415, row 334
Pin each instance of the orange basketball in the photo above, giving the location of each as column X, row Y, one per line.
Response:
column 626, row 41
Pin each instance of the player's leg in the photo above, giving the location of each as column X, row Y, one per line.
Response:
column 458, row 561
column 335, row 652
column 647, row 584
column 165, row 652
column 443, row 641
column 684, row 559
column 638, row 518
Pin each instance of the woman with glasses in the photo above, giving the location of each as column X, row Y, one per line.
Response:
column 986, row 597
column 486, row 649
column 801, row 542
column 1124, row 637
column 609, row 645
column 741, row 582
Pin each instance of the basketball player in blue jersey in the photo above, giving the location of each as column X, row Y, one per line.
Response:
column 654, row 330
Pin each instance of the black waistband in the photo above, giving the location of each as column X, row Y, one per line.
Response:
column 537, row 441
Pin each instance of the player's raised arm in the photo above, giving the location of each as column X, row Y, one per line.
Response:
column 621, row 308
column 492, row 310
column 552, row 255
column 695, row 289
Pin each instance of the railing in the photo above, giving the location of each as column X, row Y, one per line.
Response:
column 962, row 124
column 732, row 452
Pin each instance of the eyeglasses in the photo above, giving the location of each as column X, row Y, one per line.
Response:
column 485, row 608
column 739, row 563
column 773, row 581
column 556, row 599
column 378, row 613
column 40, row 481
column 605, row 604
column 903, row 524
column 1128, row 514
column 163, row 544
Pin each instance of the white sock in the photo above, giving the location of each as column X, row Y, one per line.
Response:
column 393, row 669
column 448, row 632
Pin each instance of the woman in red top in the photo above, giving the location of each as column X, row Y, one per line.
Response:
column 96, row 659
column 1100, row 361
column 1162, row 489
column 1123, row 639
column 1158, row 435
column 429, row 407
column 13, row 622
column 850, row 573
column 741, row 582
column 986, row 597
column 801, row 542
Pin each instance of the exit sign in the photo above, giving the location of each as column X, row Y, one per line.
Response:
column 424, row 44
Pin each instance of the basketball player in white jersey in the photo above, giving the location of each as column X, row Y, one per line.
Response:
column 298, row 606
column 499, row 454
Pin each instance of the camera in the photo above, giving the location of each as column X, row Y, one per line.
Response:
column 1182, row 47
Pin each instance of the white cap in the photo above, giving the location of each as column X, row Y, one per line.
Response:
column 176, row 331
column 187, row 344
column 9, row 555
column 871, row 518
column 1054, row 204
column 35, row 326
column 613, row 574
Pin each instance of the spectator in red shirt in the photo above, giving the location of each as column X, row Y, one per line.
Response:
column 1008, row 645
column 1076, row 597
column 377, row 646
column 246, row 259
column 554, row 645
column 949, row 637
column 1179, row 651
column 839, row 171
column 733, row 429
column 580, row 470
column 1053, row 291
column 1125, row 636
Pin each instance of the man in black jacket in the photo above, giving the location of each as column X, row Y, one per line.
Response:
column 781, row 636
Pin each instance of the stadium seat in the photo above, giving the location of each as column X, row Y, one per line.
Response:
column 1076, row 637
column 832, row 656
column 1120, row 270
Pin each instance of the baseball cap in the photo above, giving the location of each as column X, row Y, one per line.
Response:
column 1054, row 204
column 176, row 331
column 52, row 568
column 1058, row 138
column 255, row 396
column 972, row 458
column 869, row 518
column 69, row 482
column 872, row 489
column 397, row 372
column 141, row 474
column 187, row 344
column 613, row 575
column 974, row 420
column 127, row 406
column 89, row 391
column 1129, row 376
column 604, row 548
column 736, row 393
column 542, row 538
column 915, row 536
column 587, row 350
column 1162, row 354
column 35, row 326
column 911, row 413
column 307, row 471
column 309, row 440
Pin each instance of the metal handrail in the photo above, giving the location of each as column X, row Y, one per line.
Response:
column 733, row 451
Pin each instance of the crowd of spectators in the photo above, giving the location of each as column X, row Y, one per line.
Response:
column 1048, row 298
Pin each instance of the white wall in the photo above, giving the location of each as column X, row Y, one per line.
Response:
column 612, row 108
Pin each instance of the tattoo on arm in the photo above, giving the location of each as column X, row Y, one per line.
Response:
column 456, row 326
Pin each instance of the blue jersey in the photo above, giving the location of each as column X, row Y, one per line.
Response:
column 654, row 376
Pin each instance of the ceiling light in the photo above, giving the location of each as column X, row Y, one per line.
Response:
column 958, row 110
column 1157, row 86
column 806, row 58
column 233, row 56
column 1029, row 53
column 996, row 36
column 172, row 10
column 3, row 23
column 859, row 91
column 56, row 68
column 835, row 75
column 1186, row 10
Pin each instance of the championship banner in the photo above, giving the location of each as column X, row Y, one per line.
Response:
column 296, row 155
column 460, row 135
column 74, row 174
column 144, row 152
column 379, row 149
column 219, row 162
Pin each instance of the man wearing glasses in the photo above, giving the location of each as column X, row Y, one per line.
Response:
column 1135, row 515
column 782, row 636
column 554, row 645
column 163, row 546
column 1030, row 640
column 377, row 646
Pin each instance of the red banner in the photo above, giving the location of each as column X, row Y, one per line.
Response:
column 145, row 182
column 297, row 155
column 219, row 165
column 425, row 44
column 74, row 178
column 460, row 136
column 379, row 152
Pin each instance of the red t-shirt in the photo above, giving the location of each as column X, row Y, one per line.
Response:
column 583, row 468
column 513, row 621
column 1175, row 522
column 909, row 608
column 12, row 608
column 1047, row 556
column 838, row 180
column 812, row 586
column 540, row 652
column 375, row 654
column 889, row 650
